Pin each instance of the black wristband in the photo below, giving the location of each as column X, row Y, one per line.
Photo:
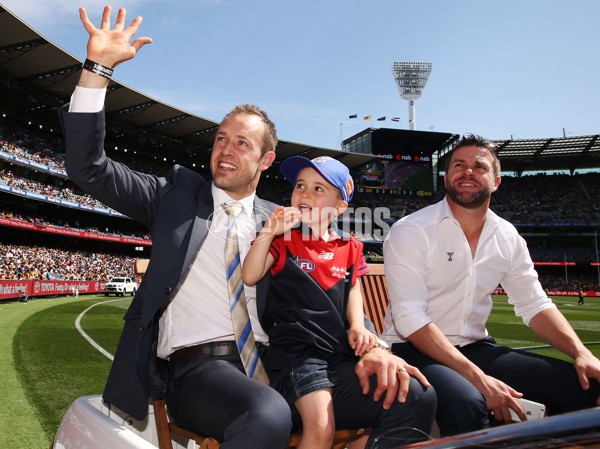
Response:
column 98, row 69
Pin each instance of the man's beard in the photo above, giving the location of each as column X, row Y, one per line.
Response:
column 468, row 200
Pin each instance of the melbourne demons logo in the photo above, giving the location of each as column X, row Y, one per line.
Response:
column 306, row 265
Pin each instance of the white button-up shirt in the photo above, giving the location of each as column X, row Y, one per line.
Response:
column 431, row 275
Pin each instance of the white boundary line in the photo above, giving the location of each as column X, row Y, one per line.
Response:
column 86, row 336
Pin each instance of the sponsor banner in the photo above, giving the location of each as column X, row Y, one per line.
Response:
column 14, row 289
column 65, row 287
column 72, row 232
column 560, row 264
column 35, row 195
column 18, row 289
column 500, row 291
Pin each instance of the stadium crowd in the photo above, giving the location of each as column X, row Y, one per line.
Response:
column 19, row 181
column 33, row 262
column 539, row 200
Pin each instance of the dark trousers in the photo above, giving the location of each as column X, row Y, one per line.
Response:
column 212, row 396
column 462, row 408
column 402, row 424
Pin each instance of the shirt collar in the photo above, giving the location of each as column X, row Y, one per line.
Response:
column 220, row 196
column 491, row 219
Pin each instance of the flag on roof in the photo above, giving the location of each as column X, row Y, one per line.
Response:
column 381, row 119
column 367, row 117
column 353, row 116
column 395, row 119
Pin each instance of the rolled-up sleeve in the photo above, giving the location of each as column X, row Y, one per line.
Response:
column 404, row 252
column 522, row 285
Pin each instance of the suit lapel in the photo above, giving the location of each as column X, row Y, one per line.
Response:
column 201, row 223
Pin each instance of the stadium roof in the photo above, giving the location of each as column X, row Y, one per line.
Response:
column 37, row 77
column 568, row 153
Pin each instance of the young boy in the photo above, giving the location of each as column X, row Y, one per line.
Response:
column 314, row 315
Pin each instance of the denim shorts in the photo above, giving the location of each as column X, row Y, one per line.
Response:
column 296, row 382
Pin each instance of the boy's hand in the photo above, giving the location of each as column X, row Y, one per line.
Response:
column 361, row 340
column 282, row 220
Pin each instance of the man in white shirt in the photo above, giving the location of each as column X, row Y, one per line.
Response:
column 178, row 340
column 442, row 264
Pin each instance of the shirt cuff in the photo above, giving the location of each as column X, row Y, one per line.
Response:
column 85, row 99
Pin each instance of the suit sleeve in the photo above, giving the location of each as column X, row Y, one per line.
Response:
column 132, row 193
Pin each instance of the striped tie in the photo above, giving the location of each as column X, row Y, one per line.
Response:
column 242, row 328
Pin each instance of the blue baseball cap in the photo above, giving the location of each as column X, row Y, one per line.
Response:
column 331, row 169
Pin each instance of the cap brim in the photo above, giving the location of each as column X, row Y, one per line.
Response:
column 293, row 165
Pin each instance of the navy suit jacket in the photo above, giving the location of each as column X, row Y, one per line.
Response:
column 177, row 209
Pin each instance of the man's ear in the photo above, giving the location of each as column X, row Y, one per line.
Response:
column 267, row 160
column 497, row 182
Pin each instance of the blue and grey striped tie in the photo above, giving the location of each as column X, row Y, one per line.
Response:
column 242, row 328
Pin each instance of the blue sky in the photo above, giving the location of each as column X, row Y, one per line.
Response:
column 520, row 68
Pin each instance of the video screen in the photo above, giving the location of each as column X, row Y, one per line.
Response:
column 403, row 174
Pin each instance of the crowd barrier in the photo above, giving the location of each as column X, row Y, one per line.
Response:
column 499, row 291
column 72, row 232
column 10, row 289
column 22, row 289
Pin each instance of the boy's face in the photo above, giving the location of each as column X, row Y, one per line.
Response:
column 317, row 199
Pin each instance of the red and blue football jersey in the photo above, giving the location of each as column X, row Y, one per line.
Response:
column 305, row 315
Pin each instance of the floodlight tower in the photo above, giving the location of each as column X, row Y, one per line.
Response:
column 411, row 78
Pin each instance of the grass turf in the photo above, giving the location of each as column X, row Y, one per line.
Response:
column 47, row 364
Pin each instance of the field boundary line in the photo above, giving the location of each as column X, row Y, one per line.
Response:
column 90, row 340
column 534, row 348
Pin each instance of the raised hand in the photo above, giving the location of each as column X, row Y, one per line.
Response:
column 111, row 47
column 282, row 220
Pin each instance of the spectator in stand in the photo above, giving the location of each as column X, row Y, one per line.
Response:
column 442, row 264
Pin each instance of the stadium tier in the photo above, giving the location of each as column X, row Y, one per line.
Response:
column 44, row 217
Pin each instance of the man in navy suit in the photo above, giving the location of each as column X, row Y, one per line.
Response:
column 178, row 340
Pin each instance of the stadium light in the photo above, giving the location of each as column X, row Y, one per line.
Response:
column 411, row 78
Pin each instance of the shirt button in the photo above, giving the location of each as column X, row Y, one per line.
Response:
column 167, row 290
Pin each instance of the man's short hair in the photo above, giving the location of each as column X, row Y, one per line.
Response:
column 270, row 135
column 473, row 140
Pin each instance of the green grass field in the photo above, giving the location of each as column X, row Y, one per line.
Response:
column 47, row 363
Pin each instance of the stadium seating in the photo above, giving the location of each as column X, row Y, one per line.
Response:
column 548, row 210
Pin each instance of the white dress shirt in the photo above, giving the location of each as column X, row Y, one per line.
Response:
column 431, row 275
column 199, row 310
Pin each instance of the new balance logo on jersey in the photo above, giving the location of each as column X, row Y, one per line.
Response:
column 325, row 256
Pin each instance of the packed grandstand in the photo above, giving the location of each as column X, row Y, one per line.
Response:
column 56, row 239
